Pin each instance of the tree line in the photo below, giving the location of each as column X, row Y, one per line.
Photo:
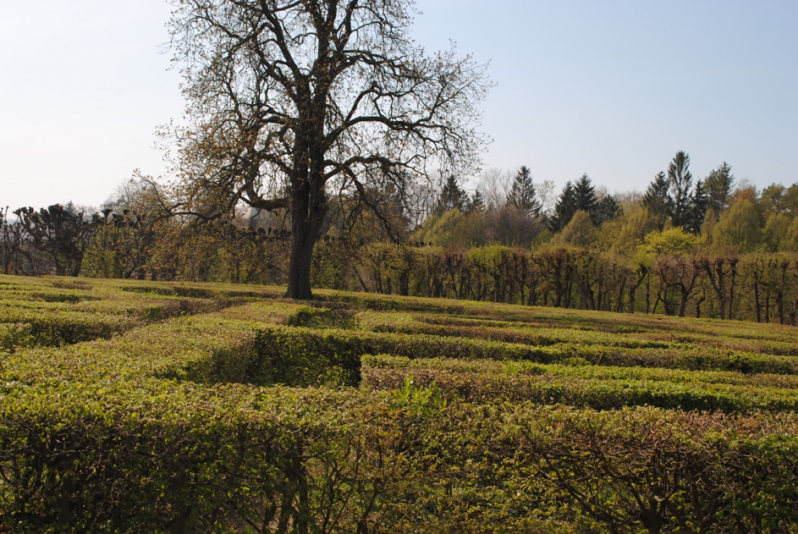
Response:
column 709, row 248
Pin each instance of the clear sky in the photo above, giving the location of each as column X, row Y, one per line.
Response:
column 612, row 88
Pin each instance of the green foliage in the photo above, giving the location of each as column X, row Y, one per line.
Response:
column 775, row 236
column 580, row 232
column 699, row 204
column 739, row 229
column 564, row 209
column 791, row 244
column 674, row 241
column 451, row 197
column 606, row 210
column 634, row 229
column 680, row 180
column 420, row 401
column 585, row 195
column 442, row 230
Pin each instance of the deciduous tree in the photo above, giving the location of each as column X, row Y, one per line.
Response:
column 292, row 101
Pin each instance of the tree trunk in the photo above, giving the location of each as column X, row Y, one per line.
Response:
column 306, row 222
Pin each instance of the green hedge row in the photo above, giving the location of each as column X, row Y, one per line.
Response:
column 164, row 428
column 601, row 394
column 545, row 335
column 49, row 324
column 55, row 328
column 578, row 369
column 201, row 349
column 301, row 356
column 161, row 456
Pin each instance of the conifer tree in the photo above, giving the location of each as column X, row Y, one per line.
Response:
column 564, row 209
column 718, row 186
column 452, row 197
column 476, row 203
column 680, row 180
column 606, row 210
column 585, row 195
column 522, row 195
column 699, row 203
column 657, row 200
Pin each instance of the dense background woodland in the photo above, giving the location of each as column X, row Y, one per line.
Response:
column 711, row 247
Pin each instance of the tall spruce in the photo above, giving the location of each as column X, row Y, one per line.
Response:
column 606, row 210
column 680, row 180
column 475, row 203
column 522, row 194
column 718, row 186
column 564, row 209
column 452, row 196
column 585, row 195
column 657, row 200
column 699, row 204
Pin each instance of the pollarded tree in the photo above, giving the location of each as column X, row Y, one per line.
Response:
column 293, row 103
column 61, row 233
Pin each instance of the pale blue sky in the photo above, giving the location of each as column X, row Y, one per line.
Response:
column 611, row 88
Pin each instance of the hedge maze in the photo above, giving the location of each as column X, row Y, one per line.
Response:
column 165, row 407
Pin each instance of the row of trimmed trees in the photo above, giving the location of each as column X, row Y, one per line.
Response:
column 759, row 287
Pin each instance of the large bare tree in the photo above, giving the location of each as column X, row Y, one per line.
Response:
column 294, row 103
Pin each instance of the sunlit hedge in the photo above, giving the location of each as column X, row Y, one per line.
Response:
column 242, row 413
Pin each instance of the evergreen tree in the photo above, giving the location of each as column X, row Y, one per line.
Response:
column 718, row 186
column 699, row 204
column 657, row 200
column 585, row 195
column 475, row 203
column 451, row 196
column 522, row 194
column 606, row 210
column 564, row 209
column 680, row 180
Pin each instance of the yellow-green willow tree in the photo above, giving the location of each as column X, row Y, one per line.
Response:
column 292, row 104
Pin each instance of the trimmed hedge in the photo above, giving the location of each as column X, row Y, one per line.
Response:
column 562, row 388
column 301, row 356
column 170, row 457
column 166, row 428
